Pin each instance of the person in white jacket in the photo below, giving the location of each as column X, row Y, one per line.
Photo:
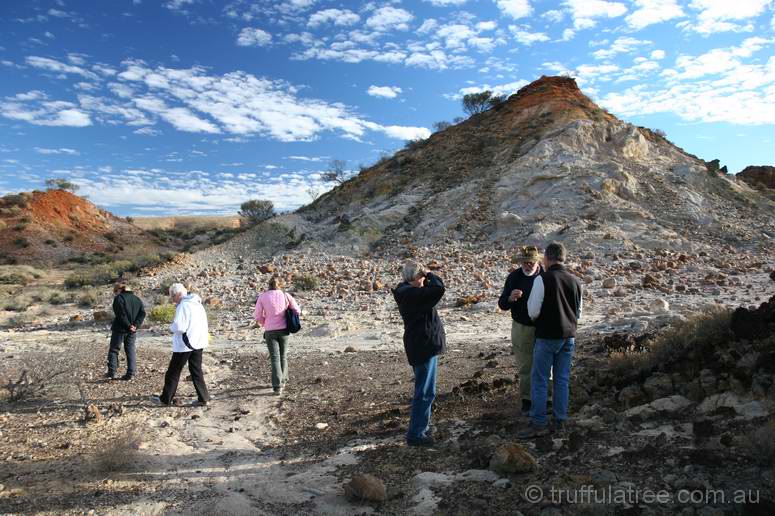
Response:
column 189, row 338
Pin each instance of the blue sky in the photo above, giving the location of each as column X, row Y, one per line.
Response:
column 193, row 106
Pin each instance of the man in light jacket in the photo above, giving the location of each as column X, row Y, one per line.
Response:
column 189, row 338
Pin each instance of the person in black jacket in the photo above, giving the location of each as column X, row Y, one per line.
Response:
column 555, row 306
column 514, row 297
column 424, row 339
column 129, row 315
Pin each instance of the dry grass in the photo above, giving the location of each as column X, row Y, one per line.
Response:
column 760, row 443
column 187, row 223
column 695, row 337
column 120, row 454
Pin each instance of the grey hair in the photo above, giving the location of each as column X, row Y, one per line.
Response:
column 177, row 288
column 411, row 270
column 555, row 252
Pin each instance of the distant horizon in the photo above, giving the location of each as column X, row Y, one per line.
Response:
column 167, row 107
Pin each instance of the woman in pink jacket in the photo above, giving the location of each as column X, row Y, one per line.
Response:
column 270, row 313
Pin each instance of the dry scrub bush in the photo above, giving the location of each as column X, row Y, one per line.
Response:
column 760, row 443
column 305, row 282
column 683, row 342
column 120, row 453
column 162, row 313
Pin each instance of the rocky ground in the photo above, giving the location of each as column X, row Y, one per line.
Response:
column 691, row 421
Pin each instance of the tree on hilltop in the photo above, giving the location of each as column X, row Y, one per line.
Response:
column 59, row 183
column 475, row 103
column 335, row 173
column 256, row 211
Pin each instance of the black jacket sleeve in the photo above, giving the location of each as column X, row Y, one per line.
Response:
column 140, row 315
column 503, row 301
column 119, row 310
column 422, row 299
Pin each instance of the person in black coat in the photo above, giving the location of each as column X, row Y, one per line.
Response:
column 129, row 315
column 424, row 340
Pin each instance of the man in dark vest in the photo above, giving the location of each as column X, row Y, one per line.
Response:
column 555, row 306
column 514, row 297
column 128, row 316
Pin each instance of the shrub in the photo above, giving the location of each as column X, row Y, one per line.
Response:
column 100, row 275
column 18, row 304
column 58, row 183
column 475, row 103
column 660, row 132
column 760, row 443
column 120, row 454
column 59, row 298
column 20, row 320
column 256, row 211
column 14, row 278
column 441, row 125
column 305, row 282
column 88, row 299
column 336, row 172
column 162, row 313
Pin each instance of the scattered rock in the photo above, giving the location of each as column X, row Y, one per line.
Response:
column 364, row 486
column 92, row 414
column 512, row 458
column 659, row 306
column 76, row 318
column 610, row 283
column 321, row 426
column 350, row 349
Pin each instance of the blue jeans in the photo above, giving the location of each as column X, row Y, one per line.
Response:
column 128, row 340
column 424, row 394
column 548, row 354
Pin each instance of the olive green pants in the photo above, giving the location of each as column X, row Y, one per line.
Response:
column 522, row 340
column 277, row 343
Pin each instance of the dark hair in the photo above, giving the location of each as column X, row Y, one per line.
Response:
column 555, row 252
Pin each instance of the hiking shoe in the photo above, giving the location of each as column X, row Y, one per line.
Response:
column 532, row 431
column 198, row 403
column 127, row 377
column 525, row 410
column 425, row 442
column 156, row 400
column 278, row 391
column 557, row 427
column 109, row 376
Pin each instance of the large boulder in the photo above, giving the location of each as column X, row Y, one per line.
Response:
column 762, row 177
column 512, row 458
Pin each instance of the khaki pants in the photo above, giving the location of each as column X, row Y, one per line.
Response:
column 522, row 340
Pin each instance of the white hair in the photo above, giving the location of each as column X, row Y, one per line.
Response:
column 412, row 270
column 177, row 289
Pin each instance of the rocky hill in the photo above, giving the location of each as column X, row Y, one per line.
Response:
column 54, row 226
column 546, row 164
column 761, row 177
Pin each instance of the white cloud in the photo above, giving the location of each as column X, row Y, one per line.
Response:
column 445, row 3
column 486, row 25
column 719, row 15
column 526, row 37
column 52, row 65
column 405, row 133
column 498, row 89
column 658, row 54
column 718, row 60
column 34, row 108
column 389, row 18
column 568, row 34
column 553, row 15
column 515, row 8
column 177, row 5
column 650, row 12
column 147, row 131
column 455, row 35
column 335, row 16
column 252, row 37
column 622, row 45
column 61, row 150
column 180, row 117
column 585, row 12
column 388, row 92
